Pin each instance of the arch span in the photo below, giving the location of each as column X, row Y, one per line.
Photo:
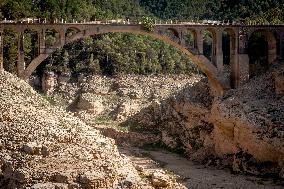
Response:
column 204, row 65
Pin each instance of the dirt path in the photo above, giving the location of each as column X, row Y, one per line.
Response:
column 194, row 176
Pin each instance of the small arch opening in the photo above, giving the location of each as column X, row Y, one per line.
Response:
column 51, row 38
column 31, row 48
column 190, row 40
column 226, row 47
column 208, row 45
column 262, row 50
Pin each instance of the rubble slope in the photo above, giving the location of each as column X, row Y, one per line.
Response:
column 44, row 147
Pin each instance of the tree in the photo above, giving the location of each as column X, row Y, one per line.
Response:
column 148, row 24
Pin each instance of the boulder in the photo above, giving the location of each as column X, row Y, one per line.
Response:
column 93, row 102
column 49, row 83
column 160, row 179
column 32, row 148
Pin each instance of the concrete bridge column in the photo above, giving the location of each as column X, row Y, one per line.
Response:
column 199, row 41
column 219, row 51
column 243, row 58
column 1, row 50
column 21, row 55
column 41, row 41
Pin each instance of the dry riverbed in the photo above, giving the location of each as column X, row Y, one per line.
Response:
column 191, row 175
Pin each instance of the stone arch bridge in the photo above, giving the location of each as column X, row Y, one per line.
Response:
column 173, row 34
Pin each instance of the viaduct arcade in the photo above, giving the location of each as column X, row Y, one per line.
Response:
column 220, row 78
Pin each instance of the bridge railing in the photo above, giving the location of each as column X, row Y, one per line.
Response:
column 135, row 22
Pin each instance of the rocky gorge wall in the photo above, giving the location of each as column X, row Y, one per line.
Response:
column 242, row 130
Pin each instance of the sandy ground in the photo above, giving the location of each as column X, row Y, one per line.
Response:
column 195, row 176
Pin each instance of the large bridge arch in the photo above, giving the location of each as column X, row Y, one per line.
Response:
column 204, row 65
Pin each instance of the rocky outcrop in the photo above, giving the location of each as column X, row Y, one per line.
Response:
column 250, row 121
column 181, row 121
column 243, row 129
column 91, row 102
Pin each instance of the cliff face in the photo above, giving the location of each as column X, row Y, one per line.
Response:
column 251, row 120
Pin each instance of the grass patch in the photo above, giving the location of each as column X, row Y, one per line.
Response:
column 50, row 99
column 103, row 120
column 108, row 121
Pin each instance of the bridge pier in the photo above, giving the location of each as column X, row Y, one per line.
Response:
column 243, row 69
column 62, row 37
column 243, row 58
column 219, row 52
column 1, row 50
column 199, row 41
column 234, row 62
column 41, row 41
column 21, row 55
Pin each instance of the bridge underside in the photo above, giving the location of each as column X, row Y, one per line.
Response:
column 171, row 34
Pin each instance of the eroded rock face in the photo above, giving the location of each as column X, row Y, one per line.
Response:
column 91, row 102
column 44, row 147
column 250, row 121
column 244, row 128
column 181, row 121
